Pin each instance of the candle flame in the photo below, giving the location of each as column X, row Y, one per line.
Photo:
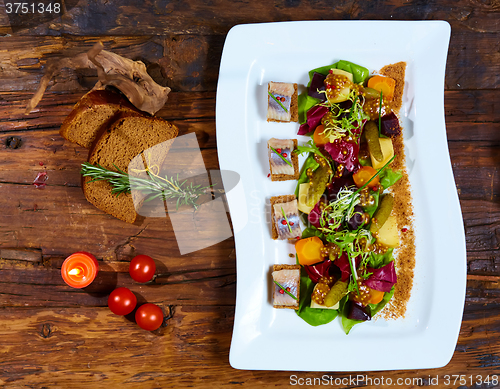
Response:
column 76, row 271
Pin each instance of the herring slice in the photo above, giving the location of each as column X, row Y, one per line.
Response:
column 278, row 162
column 282, row 102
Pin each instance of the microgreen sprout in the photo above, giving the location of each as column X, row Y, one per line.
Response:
column 341, row 122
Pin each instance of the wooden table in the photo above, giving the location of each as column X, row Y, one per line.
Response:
column 55, row 336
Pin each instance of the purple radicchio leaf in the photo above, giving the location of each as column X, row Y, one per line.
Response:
column 315, row 215
column 343, row 264
column 322, row 269
column 314, row 116
column 383, row 278
column 345, row 153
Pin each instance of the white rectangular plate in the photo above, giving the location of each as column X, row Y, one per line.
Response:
column 272, row 339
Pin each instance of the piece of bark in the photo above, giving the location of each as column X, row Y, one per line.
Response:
column 130, row 77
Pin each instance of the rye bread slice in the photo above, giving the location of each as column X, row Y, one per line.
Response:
column 126, row 137
column 91, row 113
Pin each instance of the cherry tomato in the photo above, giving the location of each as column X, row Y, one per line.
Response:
column 320, row 138
column 367, row 295
column 149, row 317
column 363, row 175
column 142, row 268
column 122, row 301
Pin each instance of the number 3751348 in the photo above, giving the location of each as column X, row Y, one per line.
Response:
column 462, row 379
column 27, row 8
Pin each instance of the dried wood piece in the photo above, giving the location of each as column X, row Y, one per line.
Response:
column 30, row 255
column 130, row 77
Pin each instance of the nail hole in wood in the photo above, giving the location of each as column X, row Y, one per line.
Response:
column 13, row 142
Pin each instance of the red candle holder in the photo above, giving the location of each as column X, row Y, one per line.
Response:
column 79, row 269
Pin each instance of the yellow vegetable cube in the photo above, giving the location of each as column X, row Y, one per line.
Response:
column 344, row 93
column 388, row 235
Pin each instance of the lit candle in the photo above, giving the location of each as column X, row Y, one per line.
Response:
column 79, row 269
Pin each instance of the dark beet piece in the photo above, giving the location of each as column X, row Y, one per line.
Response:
column 357, row 218
column 390, row 125
column 317, row 83
column 337, row 184
column 357, row 312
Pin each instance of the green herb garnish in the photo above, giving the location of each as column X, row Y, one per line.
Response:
column 340, row 122
column 155, row 185
column 353, row 272
column 312, row 148
column 284, row 290
column 286, row 219
column 370, row 180
column 279, row 102
column 283, row 158
column 380, row 115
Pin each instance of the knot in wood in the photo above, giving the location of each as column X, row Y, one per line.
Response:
column 13, row 142
column 46, row 331
column 169, row 314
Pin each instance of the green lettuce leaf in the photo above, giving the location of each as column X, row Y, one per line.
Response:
column 347, row 324
column 378, row 260
column 370, row 209
column 312, row 231
column 389, row 177
column 312, row 316
column 305, row 103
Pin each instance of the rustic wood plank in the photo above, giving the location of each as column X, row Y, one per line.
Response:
column 38, row 286
column 193, row 17
column 169, row 57
column 53, row 335
column 94, row 346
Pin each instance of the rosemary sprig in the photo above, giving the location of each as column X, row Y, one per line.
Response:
column 284, row 290
column 283, row 158
column 154, row 185
column 286, row 219
column 279, row 102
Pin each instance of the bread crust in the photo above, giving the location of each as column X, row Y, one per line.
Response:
column 95, row 100
column 99, row 192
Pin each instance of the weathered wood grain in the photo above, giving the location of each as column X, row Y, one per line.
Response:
column 193, row 17
column 56, row 336
column 169, row 57
column 65, row 346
